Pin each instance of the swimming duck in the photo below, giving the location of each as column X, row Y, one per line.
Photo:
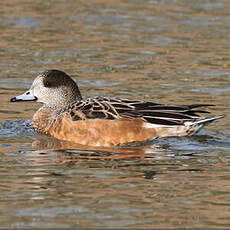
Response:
column 104, row 121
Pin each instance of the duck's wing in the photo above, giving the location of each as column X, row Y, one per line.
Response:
column 115, row 108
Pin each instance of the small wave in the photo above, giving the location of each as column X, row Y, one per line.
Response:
column 12, row 128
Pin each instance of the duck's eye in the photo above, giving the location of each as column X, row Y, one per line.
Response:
column 47, row 84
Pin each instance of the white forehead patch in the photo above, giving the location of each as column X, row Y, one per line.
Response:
column 37, row 81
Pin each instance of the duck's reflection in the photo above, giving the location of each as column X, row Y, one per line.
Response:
column 48, row 149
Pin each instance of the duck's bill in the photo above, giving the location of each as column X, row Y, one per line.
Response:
column 27, row 96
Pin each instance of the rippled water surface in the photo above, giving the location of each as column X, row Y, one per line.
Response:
column 166, row 51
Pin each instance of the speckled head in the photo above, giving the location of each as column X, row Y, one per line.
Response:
column 53, row 88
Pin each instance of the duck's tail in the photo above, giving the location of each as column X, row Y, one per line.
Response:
column 206, row 120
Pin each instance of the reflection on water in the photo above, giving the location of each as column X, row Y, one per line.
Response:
column 166, row 51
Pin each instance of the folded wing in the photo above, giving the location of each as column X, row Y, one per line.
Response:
column 115, row 108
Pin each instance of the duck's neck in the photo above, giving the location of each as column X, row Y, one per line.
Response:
column 44, row 117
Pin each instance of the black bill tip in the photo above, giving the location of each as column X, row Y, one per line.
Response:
column 14, row 99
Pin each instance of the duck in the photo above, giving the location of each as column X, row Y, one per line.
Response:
column 106, row 121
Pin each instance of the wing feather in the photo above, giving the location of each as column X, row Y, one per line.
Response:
column 115, row 108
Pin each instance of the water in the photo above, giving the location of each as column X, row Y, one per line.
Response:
column 166, row 51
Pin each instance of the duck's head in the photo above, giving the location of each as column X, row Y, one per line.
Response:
column 53, row 88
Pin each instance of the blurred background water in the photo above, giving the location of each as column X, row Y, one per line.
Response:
column 165, row 51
